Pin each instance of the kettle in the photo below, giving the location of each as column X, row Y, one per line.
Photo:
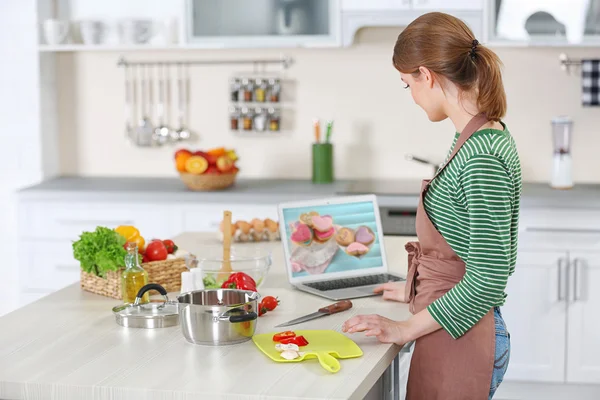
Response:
column 291, row 18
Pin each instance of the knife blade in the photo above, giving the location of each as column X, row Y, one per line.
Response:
column 331, row 309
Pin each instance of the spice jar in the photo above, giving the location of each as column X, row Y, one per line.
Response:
column 274, row 123
column 260, row 119
column 247, row 119
column 234, row 89
column 260, row 90
column 247, row 89
column 234, row 118
column 274, row 90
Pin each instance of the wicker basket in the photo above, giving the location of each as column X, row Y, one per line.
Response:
column 166, row 273
column 208, row 181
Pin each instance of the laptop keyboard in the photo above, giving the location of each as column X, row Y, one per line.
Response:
column 353, row 282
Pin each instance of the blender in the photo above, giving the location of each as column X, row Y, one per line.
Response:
column 562, row 172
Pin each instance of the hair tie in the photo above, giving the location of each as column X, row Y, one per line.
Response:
column 474, row 45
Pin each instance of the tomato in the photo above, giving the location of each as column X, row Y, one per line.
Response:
column 261, row 310
column 156, row 251
column 182, row 151
column 170, row 245
column 297, row 340
column 270, row 303
column 145, row 259
column 283, row 335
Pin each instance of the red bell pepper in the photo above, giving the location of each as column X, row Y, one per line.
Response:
column 297, row 340
column 240, row 280
column 278, row 337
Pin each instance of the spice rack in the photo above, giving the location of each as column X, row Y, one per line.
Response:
column 256, row 104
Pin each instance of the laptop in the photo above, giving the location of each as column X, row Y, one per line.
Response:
column 334, row 247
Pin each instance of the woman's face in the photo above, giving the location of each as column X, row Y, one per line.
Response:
column 426, row 93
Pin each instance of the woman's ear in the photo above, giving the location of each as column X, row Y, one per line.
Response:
column 426, row 75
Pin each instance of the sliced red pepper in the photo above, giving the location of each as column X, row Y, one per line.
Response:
column 278, row 337
column 299, row 341
column 241, row 281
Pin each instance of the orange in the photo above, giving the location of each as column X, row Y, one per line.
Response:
column 196, row 165
column 180, row 161
column 219, row 151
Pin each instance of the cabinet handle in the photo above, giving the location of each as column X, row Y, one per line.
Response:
column 561, row 296
column 576, row 286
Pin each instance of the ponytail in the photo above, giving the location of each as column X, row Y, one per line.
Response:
column 446, row 46
column 491, row 97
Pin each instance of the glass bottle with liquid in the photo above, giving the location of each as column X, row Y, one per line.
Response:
column 134, row 277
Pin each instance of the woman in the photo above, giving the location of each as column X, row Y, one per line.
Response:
column 467, row 220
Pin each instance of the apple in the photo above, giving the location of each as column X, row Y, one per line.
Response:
column 182, row 151
column 212, row 169
column 224, row 163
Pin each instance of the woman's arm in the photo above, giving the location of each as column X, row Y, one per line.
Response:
column 488, row 193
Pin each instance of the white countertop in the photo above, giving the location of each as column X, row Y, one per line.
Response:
column 68, row 346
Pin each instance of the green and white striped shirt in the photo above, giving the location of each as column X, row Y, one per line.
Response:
column 474, row 204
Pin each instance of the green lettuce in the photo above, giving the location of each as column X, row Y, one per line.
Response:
column 100, row 251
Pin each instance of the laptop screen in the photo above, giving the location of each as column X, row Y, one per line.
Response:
column 335, row 237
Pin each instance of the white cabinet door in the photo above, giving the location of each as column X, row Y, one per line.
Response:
column 375, row 5
column 583, row 346
column 443, row 5
column 535, row 314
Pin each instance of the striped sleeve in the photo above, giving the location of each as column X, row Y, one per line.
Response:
column 487, row 190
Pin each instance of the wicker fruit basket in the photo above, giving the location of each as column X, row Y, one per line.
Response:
column 207, row 182
column 167, row 273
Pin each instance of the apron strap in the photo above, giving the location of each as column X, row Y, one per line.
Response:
column 474, row 124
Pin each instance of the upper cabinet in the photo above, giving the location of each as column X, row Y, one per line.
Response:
column 263, row 23
column 357, row 14
column 544, row 22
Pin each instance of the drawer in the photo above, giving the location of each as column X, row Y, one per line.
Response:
column 67, row 220
column 208, row 218
column 46, row 266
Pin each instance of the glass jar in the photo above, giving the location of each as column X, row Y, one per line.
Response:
column 260, row 90
column 247, row 119
column 274, row 90
column 234, row 89
column 260, row 119
column 133, row 277
column 234, row 118
column 274, row 120
column 247, row 89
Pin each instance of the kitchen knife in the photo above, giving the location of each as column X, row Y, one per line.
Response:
column 331, row 309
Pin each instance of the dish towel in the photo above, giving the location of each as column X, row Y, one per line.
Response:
column 590, row 80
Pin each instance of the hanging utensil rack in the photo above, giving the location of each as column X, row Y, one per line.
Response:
column 284, row 61
column 566, row 63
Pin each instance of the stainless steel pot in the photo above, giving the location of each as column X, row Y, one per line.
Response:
column 218, row 316
column 148, row 315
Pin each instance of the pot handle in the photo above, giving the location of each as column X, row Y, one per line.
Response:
column 147, row 288
column 251, row 316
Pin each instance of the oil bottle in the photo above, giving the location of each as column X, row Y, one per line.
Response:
column 134, row 277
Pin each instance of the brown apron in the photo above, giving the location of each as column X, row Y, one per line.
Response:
column 443, row 368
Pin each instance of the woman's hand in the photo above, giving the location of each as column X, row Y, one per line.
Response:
column 394, row 291
column 384, row 329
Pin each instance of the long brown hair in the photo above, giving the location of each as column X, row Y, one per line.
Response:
column 447, row 47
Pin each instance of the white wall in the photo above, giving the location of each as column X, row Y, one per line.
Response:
column 375, row 119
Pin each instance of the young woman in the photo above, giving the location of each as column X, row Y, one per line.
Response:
column 467, row 220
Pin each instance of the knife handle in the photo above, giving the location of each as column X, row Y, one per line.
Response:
column 337, row 307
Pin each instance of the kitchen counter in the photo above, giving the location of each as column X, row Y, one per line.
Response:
column 68, row 346
column 391, row 193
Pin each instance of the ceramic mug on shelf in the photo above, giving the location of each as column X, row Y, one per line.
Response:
column 93, row 32
column 136, row 31
column 55, row 31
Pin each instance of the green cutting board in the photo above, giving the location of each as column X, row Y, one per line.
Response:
column 325, row 345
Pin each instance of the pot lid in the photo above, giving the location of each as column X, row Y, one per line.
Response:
column 148, row 315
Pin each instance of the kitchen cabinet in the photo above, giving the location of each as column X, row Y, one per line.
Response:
column 436, row 5
column 263, row 23
column 356, row 14
column 48, row 228
column 535, row 314
column 544, row 22
column 583, row 355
